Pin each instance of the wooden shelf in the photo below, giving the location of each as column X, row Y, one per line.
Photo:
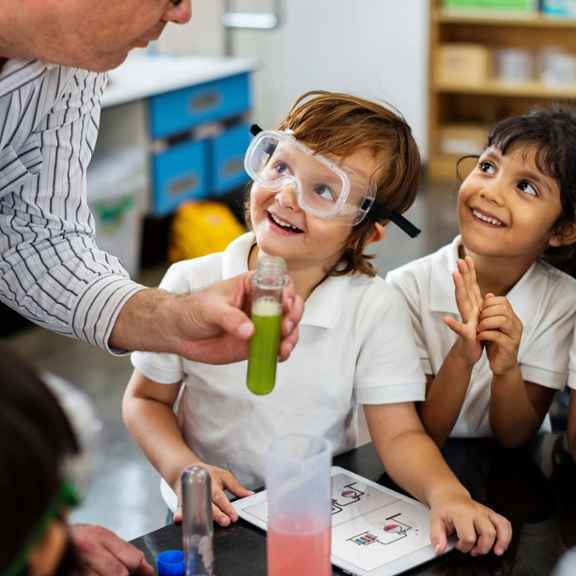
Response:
column 485, row 103
column 472, row 18
column 442, row 167
column 496, row 88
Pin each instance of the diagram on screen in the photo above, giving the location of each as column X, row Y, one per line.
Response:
column 392, row 531
column 371, row 525
column 346, row 495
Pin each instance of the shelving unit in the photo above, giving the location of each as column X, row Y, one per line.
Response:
column 460, row 103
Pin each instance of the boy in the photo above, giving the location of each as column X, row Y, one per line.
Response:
column 325, row 183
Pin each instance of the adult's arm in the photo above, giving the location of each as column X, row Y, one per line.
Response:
column 207, row 326
column 51, row 270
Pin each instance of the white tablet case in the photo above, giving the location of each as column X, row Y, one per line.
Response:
column 375, row 531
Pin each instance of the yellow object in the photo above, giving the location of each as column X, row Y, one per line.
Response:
column 201, row 228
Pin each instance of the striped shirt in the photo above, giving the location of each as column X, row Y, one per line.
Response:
column 50, row 268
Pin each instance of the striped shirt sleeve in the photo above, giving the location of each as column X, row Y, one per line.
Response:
column 51, row 270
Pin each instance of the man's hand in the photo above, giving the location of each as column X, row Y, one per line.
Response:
column 211, row 325
column 469, row 301
column 104, row 554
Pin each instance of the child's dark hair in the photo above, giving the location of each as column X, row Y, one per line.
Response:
column 552, row 132
column 35, row 439
column 340, row 124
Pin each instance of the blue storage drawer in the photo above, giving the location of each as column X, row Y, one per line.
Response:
column 181, row 110
column 227, row 159
column 179, row 174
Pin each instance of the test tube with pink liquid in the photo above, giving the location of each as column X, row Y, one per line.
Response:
column 299, row 519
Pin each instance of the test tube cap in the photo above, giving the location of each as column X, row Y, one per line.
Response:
column 171, row 563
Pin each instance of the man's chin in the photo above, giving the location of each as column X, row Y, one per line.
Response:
column 106, row 62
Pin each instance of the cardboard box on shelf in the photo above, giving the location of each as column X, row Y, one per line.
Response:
column 463, row 64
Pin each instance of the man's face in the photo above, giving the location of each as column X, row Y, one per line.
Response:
column 92, row 34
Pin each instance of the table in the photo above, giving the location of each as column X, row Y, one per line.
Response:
column 534, row 488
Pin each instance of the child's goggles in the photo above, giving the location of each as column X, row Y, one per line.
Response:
column 323, row 188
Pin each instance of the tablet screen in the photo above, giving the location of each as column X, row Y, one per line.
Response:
column 375, row 531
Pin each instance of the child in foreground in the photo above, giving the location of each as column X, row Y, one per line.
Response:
column 326, row 183
column 47, row 429
column 36, row 440
column 495, row 348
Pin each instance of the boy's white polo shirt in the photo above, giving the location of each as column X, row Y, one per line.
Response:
column 355, row 347
column 544, row 299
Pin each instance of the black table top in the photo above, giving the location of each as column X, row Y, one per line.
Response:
column 534, row 489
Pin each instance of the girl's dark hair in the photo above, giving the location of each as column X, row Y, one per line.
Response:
column 35, row 438
column 552, row 133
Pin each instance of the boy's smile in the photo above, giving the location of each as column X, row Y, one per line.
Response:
column 282, row 225
column 309, row 244
column 282, row 228
column 507, row 207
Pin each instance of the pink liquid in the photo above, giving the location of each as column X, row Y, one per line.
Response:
column 306, row 553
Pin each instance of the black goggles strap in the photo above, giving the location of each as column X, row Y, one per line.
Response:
column 255, row 129
column 378, row 212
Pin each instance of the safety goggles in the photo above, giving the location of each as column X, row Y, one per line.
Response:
column 323, row 188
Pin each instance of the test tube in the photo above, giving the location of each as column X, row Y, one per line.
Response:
column 267, row 287
column 197, row 527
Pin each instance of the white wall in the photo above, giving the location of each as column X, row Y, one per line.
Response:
column 373, row 48
column 202, row 36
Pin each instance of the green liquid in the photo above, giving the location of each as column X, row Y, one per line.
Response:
column 263, row 353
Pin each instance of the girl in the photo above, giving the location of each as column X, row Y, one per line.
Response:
column 325, row 184
column 496, row 350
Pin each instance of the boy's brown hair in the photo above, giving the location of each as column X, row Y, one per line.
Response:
column 337, row 124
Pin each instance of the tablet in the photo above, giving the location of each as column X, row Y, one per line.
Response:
column 375, row 531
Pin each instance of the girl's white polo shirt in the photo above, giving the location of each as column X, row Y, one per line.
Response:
column 355, row 347
column 544, row 299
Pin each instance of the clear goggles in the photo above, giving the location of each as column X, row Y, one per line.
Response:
column 323, row 188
